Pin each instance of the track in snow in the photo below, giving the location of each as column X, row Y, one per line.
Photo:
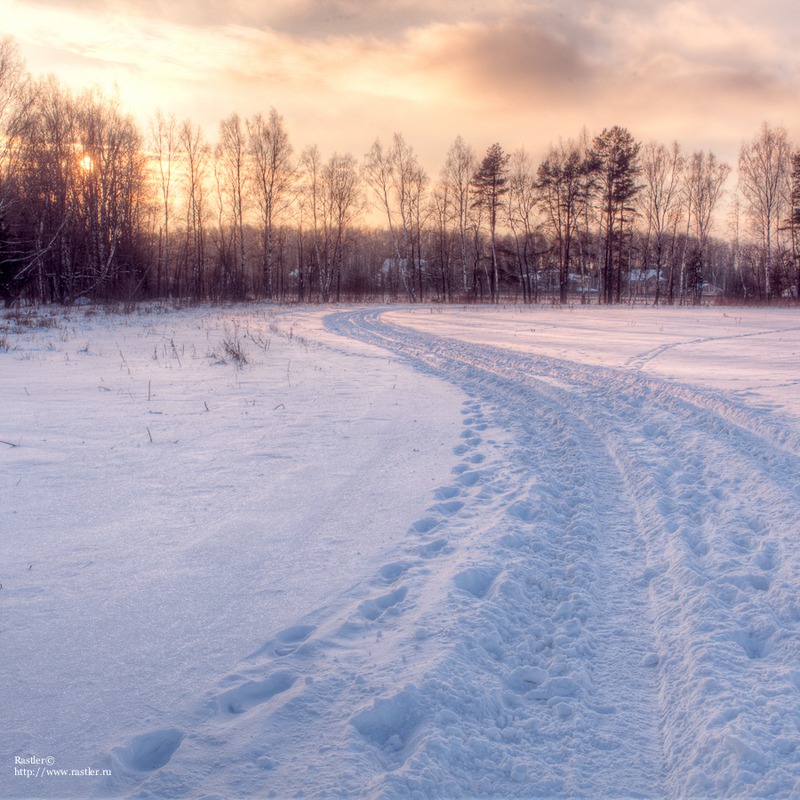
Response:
column 601, row 602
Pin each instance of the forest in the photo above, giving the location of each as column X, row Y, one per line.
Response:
column 94, row 206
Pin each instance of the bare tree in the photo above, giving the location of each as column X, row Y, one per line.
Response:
column 522, row 217
column 84, row 203
column 707, row 176
column 273, row 173
column 195, row 158
column 310, row 229
column 343, row 202
column 563, row 187
column 662, row 169
column 764, row 168
column 231, row 171
column 111, row 184
column 15, row 101
column 617, row 160
column 164, row 141
column 455, row 179
column 441, row 208
column 331, row 202
column 398, row 183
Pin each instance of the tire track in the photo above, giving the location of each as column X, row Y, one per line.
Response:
column 600, row 602
column 705, row 518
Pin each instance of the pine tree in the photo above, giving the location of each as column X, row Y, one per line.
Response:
column 489, row 185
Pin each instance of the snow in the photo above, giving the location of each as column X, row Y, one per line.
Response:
column 405, row 552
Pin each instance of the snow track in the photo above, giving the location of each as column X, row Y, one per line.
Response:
column 601, row 602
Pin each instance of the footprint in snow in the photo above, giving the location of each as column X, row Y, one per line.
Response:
column 470, row 478
column 149, row 751
column 449, row 507
column 425, row 525
column 390, row 723
column 432, row 548
column 391, row 572
column 253, row 693
column 376, row 607
column 285, row 642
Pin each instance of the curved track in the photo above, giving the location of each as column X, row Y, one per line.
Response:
column 601, row 602
column 662, row 521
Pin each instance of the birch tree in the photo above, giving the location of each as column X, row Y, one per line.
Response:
column 230, row 166
column 195, row 158
column 398, row 183
column 273, row 173
column 164, row 140
column 708, row 176
column 662, row 169
column 764, row 168
column 455, row 179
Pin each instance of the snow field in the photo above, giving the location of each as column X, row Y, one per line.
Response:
column 693, row 497
column 584, row 584
column 135, row 572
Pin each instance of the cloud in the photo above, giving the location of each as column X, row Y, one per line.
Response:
column 309, row 19
column 523, row 72
column 507, row 62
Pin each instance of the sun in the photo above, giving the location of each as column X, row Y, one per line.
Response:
column 87, row 164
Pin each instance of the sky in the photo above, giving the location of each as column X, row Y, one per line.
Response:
column 524, row 73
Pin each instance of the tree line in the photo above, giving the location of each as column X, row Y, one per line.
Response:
column 92, row 206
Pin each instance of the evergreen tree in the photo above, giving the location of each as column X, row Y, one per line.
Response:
column 489, row 185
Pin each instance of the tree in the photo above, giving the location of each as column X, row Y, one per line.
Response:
column 522, row 199
column 15, row 100
column 662, row 169
column 563, row 185
column 273, row 174
column 332, row 200
column 489, row 185
column 342, row 204
column 455, row 179
column 793, row 223
column 312, row 266
column 111, row 184
column 764, row 167
column 617, row 158
column 164, row 140
column 443, row 248
column 84, row 197
column 230, row 165
column 195, row 157
column 399, row 182
column 707, row 177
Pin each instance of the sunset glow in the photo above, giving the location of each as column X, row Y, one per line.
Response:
column 519, row 72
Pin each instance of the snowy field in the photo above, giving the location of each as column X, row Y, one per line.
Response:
column 400, row 553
